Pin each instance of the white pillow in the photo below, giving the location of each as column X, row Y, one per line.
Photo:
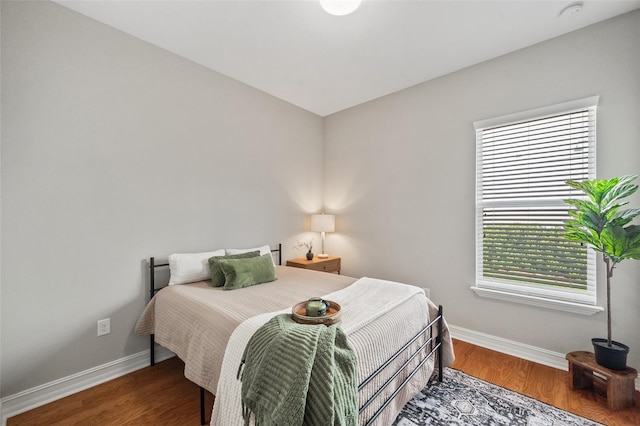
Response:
column 263, row 250
column 191, row 267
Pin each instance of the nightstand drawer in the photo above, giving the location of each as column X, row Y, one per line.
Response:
column 330, row 264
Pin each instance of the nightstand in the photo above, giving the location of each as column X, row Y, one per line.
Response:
column 328, row 264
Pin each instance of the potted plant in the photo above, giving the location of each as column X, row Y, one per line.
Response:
column 308, row 246
column 599, row 222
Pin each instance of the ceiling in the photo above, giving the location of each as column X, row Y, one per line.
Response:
column 323, row 63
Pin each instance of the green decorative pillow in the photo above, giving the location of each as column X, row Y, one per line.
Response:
column 239, row 273
column 217, row 276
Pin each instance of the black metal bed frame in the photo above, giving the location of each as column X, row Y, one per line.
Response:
column 152, row 342
column 432, row 344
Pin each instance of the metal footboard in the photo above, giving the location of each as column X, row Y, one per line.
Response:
column 432, row 345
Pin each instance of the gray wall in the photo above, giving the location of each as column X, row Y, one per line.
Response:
column 400, row 175
column 113, row 151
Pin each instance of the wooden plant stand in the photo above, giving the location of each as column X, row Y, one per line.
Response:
column 617, row 386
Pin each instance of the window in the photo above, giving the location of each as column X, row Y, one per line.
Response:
column 523, row 162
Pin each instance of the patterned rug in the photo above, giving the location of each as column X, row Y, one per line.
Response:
column 464, row 400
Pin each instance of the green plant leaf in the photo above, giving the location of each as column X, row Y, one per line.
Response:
column 589, row 187
column 587, row 214
column 613, row 242
column 582, row 204
column 632, row 244
column 599, row 221
column 622, row 189
column 626, row 216
column 601, row 187
column 582, row 235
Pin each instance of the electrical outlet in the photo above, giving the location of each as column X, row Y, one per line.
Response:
column 104, row 326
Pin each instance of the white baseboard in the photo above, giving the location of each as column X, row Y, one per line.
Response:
column 52, row 391
column 40, row 395
column 510, row 347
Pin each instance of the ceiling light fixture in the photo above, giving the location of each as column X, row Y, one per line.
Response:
column 571, row 10
column 340, row 7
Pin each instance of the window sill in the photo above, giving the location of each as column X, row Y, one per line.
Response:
column 560, row 305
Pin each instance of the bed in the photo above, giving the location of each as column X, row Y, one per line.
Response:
column 400, row 336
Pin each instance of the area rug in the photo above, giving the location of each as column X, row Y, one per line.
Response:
column 461, row 399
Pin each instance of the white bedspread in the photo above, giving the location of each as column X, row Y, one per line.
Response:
column 195, row 321
column 378, row 317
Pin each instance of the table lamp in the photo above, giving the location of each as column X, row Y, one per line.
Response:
column 323, row 223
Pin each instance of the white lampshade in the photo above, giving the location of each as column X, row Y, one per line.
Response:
column 340, row 7
column 323, row 223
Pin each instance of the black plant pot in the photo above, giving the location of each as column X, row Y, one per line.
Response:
column 309, row 255
column 613, row 357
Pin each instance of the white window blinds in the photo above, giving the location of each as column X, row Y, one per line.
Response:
column 522, row 167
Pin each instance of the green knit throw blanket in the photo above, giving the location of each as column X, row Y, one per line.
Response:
column 294, row 374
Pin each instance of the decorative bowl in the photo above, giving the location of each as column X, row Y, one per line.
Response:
column 332, row 316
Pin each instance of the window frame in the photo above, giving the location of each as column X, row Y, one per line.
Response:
column 582, row 302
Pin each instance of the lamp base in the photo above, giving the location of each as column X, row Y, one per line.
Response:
column 323, row 255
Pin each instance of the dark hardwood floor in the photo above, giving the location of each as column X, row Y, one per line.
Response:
column 160, row 395
column 538, row 381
